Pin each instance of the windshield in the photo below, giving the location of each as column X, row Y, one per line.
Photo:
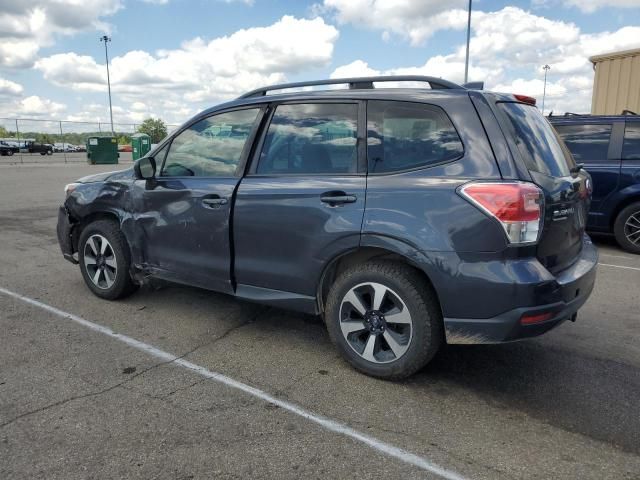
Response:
column 539, row 144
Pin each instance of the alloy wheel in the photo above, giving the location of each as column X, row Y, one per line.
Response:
column 632, row 228
column 100, row 261
column 375, row 322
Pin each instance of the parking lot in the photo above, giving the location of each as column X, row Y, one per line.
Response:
column 92, row 389
column 57, row 157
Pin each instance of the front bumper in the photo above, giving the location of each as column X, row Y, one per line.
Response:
column 64, row 230
column 572, row 289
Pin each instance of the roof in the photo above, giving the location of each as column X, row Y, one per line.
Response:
column 613, row 55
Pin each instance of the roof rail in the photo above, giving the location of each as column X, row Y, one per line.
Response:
column 628, row 112
column 357, row 83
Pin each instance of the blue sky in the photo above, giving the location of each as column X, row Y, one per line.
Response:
column 172, row 58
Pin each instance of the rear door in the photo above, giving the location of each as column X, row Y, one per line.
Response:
column 551, row 167
column 302, row 202
column 591, row 145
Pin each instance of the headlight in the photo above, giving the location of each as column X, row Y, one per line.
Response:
column 69, row 188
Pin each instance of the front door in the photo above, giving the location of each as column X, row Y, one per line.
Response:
column 184, row 213
column 302, row 203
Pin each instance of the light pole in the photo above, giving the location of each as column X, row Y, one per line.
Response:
column 466, row 62
column 546, row 68
column 106, row 40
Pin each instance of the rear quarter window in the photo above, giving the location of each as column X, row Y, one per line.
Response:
column 404, row 136
column 540, row 146
column 587, row 143
column 631, row 145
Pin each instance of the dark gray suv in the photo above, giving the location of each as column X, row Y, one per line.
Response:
column 407, row 217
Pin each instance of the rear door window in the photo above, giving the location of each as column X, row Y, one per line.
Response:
column 537, row 141
column 587, row 143
column 311, row 138
column 631, row 145
column 404, row 135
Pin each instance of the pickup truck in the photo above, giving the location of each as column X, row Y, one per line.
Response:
column 41, row 148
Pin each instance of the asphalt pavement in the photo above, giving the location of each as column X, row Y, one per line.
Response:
column 183, row 383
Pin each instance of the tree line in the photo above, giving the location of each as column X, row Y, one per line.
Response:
column 154, row 127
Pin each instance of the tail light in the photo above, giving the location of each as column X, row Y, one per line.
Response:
column 516, row 205
column 533, row 318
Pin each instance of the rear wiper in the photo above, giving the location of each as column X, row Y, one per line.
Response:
column 577, row 168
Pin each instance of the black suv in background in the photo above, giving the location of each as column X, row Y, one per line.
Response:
column 609, row 148
column 407, row 217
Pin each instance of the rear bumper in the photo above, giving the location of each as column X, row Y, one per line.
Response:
column 64, row 230
column 572, row 289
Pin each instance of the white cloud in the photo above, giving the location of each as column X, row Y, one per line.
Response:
column 9, row 88
column 416, row 20
column 204, row 70
column 31, row 107
column 26, row 27
column 442, row 66
column 508, row 49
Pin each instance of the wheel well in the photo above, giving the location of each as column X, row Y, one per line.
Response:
column 621, row 206
column 354, row 257
column 83, row 222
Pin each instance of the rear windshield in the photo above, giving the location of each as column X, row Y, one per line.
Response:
column 539, row 145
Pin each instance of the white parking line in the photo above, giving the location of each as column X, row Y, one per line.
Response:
column 602, row 254
column 324, row 422
column 619, row 266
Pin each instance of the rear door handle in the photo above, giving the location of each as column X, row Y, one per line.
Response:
column 335, row 198
column 214, row 202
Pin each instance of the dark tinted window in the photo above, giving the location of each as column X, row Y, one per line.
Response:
column 631, row 145
column 311, row 138
column 539, row 144
column 587, row 143
column 404, row 135
column 211, row 147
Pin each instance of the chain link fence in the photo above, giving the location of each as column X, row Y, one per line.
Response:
column 66, row 138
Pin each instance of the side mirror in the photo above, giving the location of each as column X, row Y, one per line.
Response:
column 145, row 168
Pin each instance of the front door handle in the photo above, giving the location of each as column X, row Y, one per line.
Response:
column 336, row 198
column 214, row 202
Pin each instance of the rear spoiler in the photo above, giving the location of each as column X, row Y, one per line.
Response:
column 474, row 85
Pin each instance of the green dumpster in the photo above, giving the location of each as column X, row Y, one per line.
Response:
column 101, row 150
column 140, row 145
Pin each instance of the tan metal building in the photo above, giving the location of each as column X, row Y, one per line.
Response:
column 616, row 86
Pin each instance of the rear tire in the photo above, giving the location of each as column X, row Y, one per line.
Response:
column 627, row 228
column 105, row 260
column 401, row 328
column 9, row 153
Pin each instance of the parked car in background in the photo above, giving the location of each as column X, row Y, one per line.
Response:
column 6, row 149
column 35, row 147
column 407, row 217
column 125, row 148
column 609, row 148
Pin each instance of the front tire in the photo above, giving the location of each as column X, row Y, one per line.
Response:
column 384, row 319
column 627, row 228
column 105, row 260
